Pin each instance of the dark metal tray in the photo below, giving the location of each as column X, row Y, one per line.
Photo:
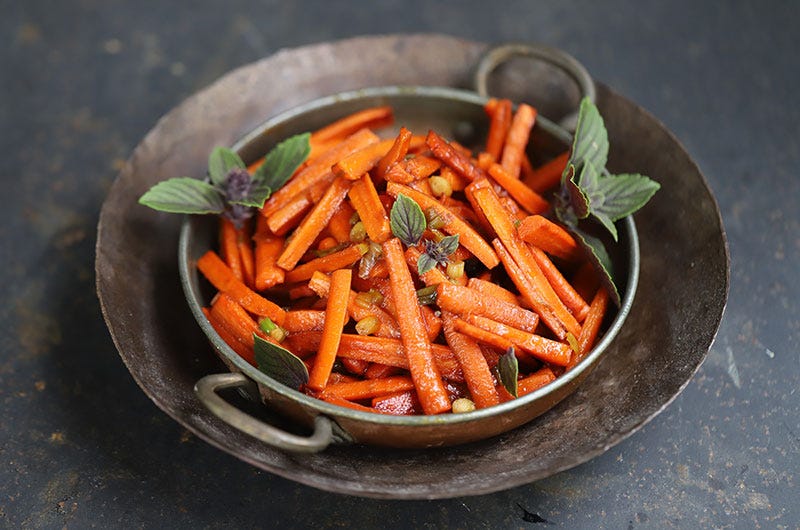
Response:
column 681, row 295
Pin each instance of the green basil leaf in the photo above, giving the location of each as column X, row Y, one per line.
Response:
column 448, row 245
column 280, row 364
column 598, row 255
column 259, row 192
column 578, row 198
column 425, row 263
column 184, row 195
column 283, row 160
column 407, row 220
column 508, row 371
column 618, row 196
column 590, row 143
column 220, row 161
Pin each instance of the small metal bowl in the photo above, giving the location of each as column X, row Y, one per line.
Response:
column 454, row 113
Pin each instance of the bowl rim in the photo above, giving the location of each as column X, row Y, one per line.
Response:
column 188, row 276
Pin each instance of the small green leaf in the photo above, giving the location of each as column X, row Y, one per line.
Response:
column 184, row 195
column 259, row 192
column 220, row 161
column 407, row 220
column 508, row 371
column 447, row 245
column 425, row 263
column 283, row 160
column 618, row 196
column 590, row 143
column 267, row 325
column 280, row 364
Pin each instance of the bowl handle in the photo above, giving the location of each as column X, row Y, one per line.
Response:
column 558, row 58
column 206, row 391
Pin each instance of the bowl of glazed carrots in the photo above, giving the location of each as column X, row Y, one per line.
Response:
column 409, row 284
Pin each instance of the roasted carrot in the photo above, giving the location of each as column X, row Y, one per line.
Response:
column 339, row 225
column 399, row 404
column 395, row 154
column 453, row 157
column 482, row 335
column 464, row 300
column 535, row 381
column 548, row 175
column 236, row 320
column 545, row 349
column 356, row 164
column 591, row 326
column 229, row 246
column 492, row 289
column 531, row 201
column 367, row 203
column 560, row 285
column 500, row 121
column 379, row 371
column 473, row 364
column 328, row 263
column 355, row 366
column 313, row 224
column 372, row 118
column 221, row 276
column 346, row 403
column 267, row 273
column 427, row 380
column 304, row 320
column 548, row 236
column 335, row 318
column 241, row 348
column 370, row 388
column 517, row 139
column 422, row 166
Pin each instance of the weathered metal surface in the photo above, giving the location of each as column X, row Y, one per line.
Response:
column 660, row 347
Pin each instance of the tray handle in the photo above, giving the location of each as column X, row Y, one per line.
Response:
column 558, row 58
column 206, row 391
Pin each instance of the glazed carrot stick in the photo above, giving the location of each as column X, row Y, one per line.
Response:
column 235, row 320
column 482, row 335
column 398, row 173
column 380, row 371
column 427, row 380
column 422, row 166
column 247, row 258
column 346, row 403
column 320, row 284
column 319, row 170
column 221, row 276
column 367, row 203
column 535, row 381
column 370, row 388
column 355, row 366
column 373, row 118
column 464, row 300
column 328, row 263
column 288, row 216
column 313, row 224
column 531, row 201
column 492, row 289
column 517, row 139
column 456, row 182
column 339, row 226
column 356, row 164
column 243, row 350
column 304, row 320
column 548, row 236
column 498, row 127
column 453, row 157
column 548, row 175
column 395, row 154
column 267, row 273
column 399, row 404
column 335, row 318
column 229, row 246
column 545, row 349
column 473, row 364
column 468, row 237
column 591, row 326
column 560, row 285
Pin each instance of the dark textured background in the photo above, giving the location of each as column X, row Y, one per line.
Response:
column 81, row 82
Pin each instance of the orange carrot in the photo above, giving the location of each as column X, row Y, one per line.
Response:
column 380, row 371
column 340, row 401
column 545, row 349
column 243, row 350
column 288, row 216
column 498, row 127
column 433, row 276
column 370, row 388
column 367, row 203
column 548, row 236
column 548, row 175
column 482, row 335
column 517, row 139
column 248, row 261
column 339, row 226
column 492, row 289
column 229, row 246
column 221, row 276
column 463, row 300
column 356, row 164
column 535, row 381
column 560, row 285
column 422, row 166
column 319, row 170
column 531, row 201
column 395, row 154
column 453, row 157
column 235, row 320
column 372, row 118
column 399, row 404
column 591, row 326
column 427, row 380
column 585, row 281
column 335, row 318
column 355, row 366
column 468, row 237
column 267, row 273
column 304, row 320
column 328, row 263
column 473, row 364
column 313, row 224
